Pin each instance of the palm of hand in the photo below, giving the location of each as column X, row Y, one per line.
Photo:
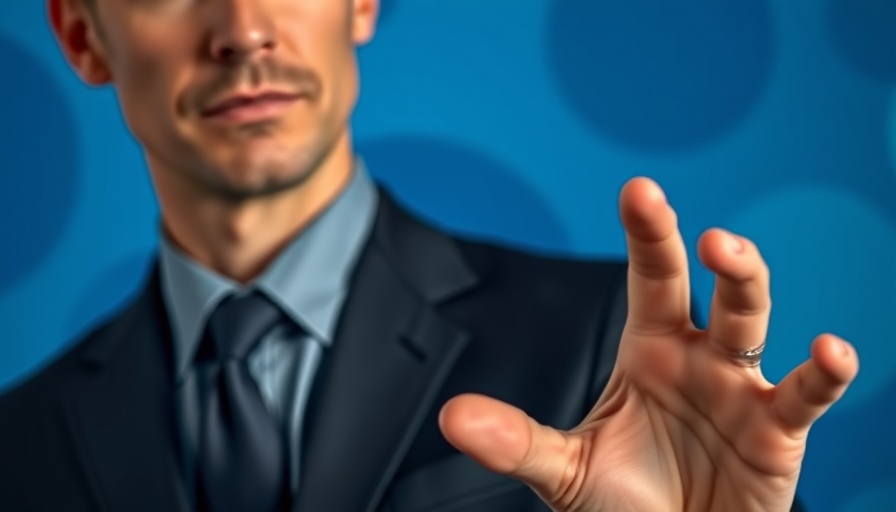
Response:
column 681, row 425
column 657, row 441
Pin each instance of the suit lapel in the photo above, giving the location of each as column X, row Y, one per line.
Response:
column 391, row 355
column 122, row 416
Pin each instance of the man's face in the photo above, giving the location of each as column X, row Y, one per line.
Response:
column 241, row 97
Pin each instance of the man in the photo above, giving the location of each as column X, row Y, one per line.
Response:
column 300, row 342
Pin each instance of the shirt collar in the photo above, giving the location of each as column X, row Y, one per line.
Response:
column 308, row 280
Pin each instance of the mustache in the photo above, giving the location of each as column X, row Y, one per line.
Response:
column 254, row 74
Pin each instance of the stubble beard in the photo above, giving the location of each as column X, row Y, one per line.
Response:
column 306, row 164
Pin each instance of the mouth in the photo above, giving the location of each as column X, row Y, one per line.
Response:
column 251, row 108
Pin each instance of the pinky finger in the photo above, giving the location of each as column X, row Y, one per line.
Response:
column 812, row 387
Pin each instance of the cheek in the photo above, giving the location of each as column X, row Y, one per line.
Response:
column 147, row 70
column 319, row 34
column 338, row 68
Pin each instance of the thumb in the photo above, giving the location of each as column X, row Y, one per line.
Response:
column 505, row 440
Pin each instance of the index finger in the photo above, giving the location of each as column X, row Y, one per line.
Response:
column 658, row 287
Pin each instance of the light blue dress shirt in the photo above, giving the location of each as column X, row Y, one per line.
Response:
column 308, row 281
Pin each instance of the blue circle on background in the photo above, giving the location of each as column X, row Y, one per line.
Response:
column 387, row 8
column 818, row 286
column 873, row 498
column 107, row 292
column 864, row 32
column 855, row 438
column 661, row 76
column 465, row 190
column 40, row 163
column 891, row 133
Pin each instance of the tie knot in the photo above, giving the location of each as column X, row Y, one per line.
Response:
column 239, row 323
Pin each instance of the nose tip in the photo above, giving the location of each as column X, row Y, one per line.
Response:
column 234, row 49
column 241, row 30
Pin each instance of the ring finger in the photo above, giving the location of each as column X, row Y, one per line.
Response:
column 738, row 319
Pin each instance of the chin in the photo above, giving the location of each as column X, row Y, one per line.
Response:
column 242, row 184
column 263, row 166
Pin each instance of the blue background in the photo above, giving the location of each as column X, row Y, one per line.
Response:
column 519, row 120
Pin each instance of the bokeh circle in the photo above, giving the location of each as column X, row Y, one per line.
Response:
column 818, row 286
column 466, row 190
column 387, row 9
column 872, row 498
column 39, row 163
column 891, row 131
column 863, row 32
column 661, row 76
column 107, row 292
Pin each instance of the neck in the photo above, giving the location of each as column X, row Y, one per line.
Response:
column 239, row 239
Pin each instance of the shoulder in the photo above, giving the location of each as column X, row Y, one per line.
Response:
column 32, row 393
column 572, row 304
column 36, row 436
column 543, row 272
column 40, row 392
column 415, row 243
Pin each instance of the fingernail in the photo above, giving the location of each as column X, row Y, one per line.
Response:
column 659, row 193
column 736, row 244
column 844, row 348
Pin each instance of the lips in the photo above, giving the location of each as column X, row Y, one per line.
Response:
column 251, row 107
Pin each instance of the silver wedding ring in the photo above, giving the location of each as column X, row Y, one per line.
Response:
column 748, row 358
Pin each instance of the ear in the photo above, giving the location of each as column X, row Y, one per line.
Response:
column 364, row 20
column 77, row 33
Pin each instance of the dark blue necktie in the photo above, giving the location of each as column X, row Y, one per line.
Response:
column 242, row 457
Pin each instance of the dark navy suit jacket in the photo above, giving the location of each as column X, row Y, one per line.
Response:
column 429, row 316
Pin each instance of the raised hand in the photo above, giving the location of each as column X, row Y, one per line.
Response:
column 687, row 421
